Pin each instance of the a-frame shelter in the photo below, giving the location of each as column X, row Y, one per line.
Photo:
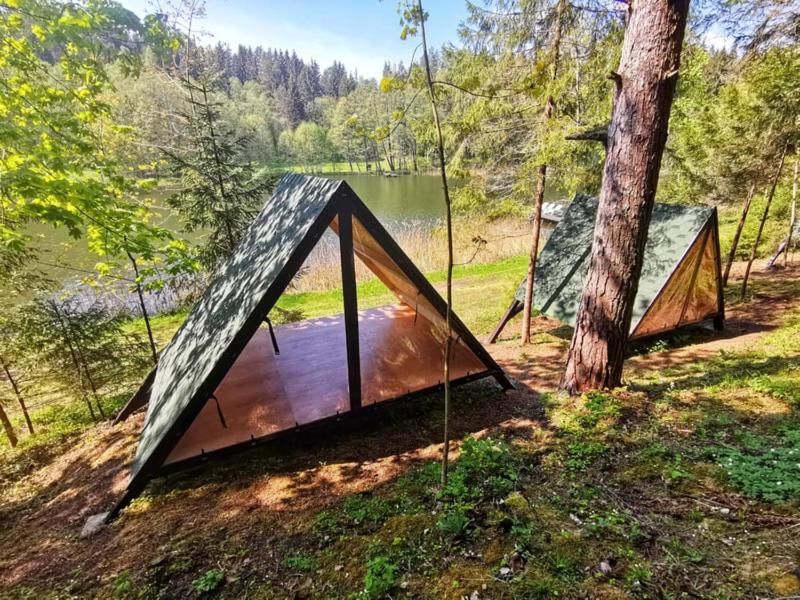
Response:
column 681, row 280
column 224, row 383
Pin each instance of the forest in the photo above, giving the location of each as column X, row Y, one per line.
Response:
column 140, row 160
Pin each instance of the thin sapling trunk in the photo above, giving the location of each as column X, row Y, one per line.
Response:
column 449, row 221
column 735, row 242
column 73, row 355
column 793, row 213
column 763, row 221
column 17, row 393
column 8, row 427
column 143, row 306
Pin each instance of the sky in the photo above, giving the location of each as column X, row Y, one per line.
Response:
column 362, row 34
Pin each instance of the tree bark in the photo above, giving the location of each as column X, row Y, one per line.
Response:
column 17, row 393
column 527, row 302
column 737, row 235
column 763, row 221
column 645, row 87
column 9, row 429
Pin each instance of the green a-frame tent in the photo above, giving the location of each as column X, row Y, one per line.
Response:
column 224, row 383
column 680, row 284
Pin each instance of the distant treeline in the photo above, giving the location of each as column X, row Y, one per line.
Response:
column 292, row 82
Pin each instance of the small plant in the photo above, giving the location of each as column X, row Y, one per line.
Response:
column 525, row 536
column 122, row 585
column 365, row 510
column 637, row 575
column 208, row 581
column 454, row 523
column 380, row 577
column 581, row 454
column 597, row 406
column 300, row 562
column 486, row 469
column 608, row 523
column 675, row 471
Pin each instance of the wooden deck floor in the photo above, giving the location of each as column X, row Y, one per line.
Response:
column 264, row 393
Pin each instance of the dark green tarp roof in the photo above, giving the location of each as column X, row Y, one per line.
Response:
column 564, row 260
column 231, row 308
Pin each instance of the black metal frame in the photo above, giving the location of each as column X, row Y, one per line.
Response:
column 350, row 297
column 410, row 270
column 139, row 399
column 345, row 204
column 514, row 309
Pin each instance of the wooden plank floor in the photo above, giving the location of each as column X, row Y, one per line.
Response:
column 263, row 393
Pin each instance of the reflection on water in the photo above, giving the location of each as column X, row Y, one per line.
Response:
column 400, row 198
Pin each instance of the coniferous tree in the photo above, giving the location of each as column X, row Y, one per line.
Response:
column 221, row 192
column 644, row 88
column 81, row 348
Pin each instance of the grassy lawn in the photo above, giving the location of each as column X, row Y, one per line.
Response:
column 481, row 293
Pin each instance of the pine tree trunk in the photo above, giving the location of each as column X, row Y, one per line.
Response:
column 17, row 393
column 527, row 301
column 9, row 429
column 757, row 241
column 645, row 86
column 737, row 235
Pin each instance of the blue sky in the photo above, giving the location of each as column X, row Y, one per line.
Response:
column 360, row 33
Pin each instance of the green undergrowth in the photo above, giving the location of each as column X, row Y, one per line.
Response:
column 680, row 485
column 56, row 428
column 683, row 484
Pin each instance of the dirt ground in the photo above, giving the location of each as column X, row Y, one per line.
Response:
column 271, row 492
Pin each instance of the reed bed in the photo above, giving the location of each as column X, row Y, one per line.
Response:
column 475, row 241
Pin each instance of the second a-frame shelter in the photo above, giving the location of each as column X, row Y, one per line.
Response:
column 680, row 284
column 225, row 383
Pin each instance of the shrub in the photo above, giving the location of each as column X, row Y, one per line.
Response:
column 454, row 523
column 299, row 562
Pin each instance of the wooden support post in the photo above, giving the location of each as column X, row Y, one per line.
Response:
column 350, row 296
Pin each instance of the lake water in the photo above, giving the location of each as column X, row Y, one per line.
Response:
column 407, row 198
column 417, row 197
